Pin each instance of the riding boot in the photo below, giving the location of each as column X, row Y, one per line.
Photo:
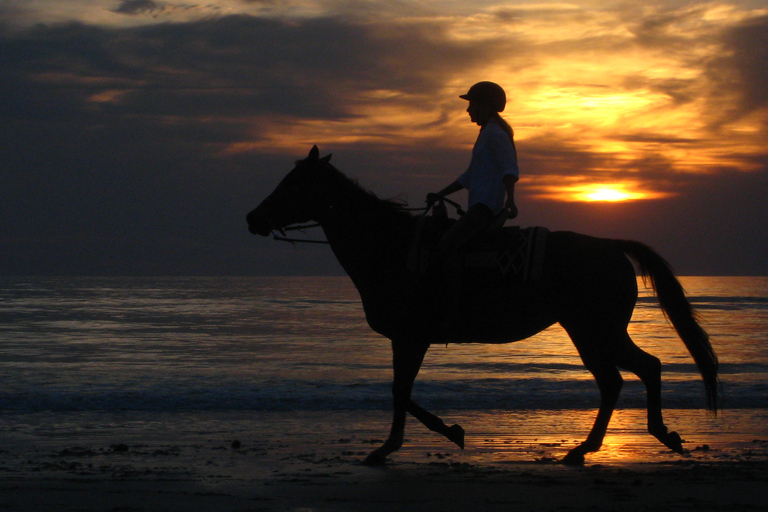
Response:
column 451, row 298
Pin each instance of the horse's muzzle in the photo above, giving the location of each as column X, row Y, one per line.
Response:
column 258, row 225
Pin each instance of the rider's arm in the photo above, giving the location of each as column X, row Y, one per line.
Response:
column 450, row 189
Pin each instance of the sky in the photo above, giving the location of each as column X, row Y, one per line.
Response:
column 135, row 135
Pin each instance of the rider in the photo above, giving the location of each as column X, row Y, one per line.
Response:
column 492, row 174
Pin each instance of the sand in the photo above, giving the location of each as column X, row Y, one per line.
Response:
column 273, row 462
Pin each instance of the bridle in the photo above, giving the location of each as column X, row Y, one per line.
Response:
column 301, row 227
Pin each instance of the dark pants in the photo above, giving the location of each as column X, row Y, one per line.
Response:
column 477, row 219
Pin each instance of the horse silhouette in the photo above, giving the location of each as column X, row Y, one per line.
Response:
column 588, row 286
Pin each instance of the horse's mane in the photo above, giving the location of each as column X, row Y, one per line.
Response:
column 352, row 188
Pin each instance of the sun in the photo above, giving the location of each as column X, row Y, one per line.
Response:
column 617, row 192
column 607, row 194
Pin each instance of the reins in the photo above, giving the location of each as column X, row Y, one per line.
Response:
column 302, row 227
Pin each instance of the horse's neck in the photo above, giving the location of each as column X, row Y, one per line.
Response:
column 369, row 238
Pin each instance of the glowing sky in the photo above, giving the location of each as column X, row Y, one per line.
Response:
column 137, row 133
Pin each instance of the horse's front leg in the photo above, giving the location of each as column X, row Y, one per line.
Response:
column 407, row 357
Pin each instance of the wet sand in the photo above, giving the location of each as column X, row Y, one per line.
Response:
column 311, row 462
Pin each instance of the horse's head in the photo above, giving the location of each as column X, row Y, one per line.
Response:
column 296, row 199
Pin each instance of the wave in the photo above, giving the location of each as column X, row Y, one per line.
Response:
column 302, row 395
column 717, row 303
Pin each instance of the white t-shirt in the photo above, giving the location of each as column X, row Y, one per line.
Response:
column 493, row 157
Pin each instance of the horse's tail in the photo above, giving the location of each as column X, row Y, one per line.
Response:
column 679, row 312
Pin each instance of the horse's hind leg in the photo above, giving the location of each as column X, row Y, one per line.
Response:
column 648, row 369
column 454, row 433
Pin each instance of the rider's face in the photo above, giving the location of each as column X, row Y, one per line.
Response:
column 479, row 112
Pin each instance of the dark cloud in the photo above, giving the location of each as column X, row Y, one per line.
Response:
column 240, row 64
column 134, row 7
column 212, row 80
column 109, row 137
column 734, row 76
column 740, row 73
column 667, row 29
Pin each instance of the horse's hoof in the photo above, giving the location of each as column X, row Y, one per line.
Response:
column 573, row 458
column 375, row 459
column 456, row 434
column 673, row 442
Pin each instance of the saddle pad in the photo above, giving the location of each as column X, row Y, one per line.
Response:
column 513, row 252
column 518, row 254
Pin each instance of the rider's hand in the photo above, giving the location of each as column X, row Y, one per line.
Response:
column 511, row 210
column 433, row 197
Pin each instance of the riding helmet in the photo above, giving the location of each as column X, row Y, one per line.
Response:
column 488, row 93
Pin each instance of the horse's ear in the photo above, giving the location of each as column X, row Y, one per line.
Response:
column 326, row 159
column 314, row 154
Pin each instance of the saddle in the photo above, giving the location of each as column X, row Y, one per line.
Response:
column 511, row 253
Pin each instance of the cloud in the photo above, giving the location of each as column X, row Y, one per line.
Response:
column 284, row 62
column 601, row 76
column 739, row 72
column 113, row 133
column 110, row 136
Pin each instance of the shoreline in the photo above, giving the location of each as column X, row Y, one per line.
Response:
column 205, row 461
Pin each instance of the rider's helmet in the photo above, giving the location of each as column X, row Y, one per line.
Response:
column 488, row 93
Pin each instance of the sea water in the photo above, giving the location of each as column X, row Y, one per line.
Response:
column 300, row 345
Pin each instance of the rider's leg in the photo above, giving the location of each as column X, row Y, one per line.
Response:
column 475, row 221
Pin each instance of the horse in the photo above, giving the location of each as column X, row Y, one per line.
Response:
column 588, row 285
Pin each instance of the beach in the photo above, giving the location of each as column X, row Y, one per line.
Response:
column 312, row 462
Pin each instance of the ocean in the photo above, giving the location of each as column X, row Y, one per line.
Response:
column 274, row 347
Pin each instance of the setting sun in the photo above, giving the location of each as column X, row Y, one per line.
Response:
column 607, row 194
column 595, row 192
